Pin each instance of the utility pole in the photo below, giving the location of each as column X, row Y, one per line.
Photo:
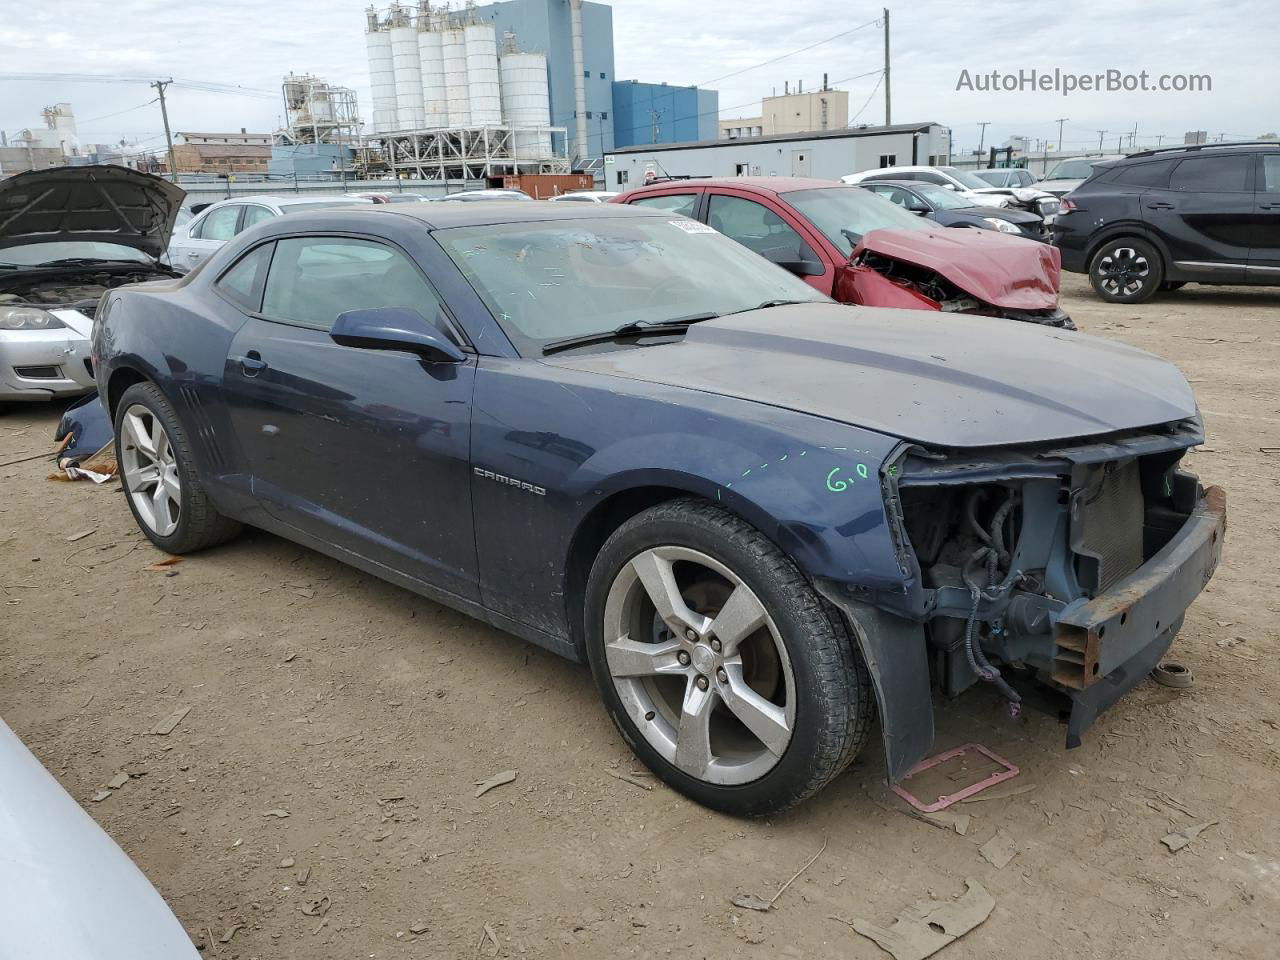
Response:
column 159, row 86
column 982, row 137
column 1101, row 134
column 1060, row 121
column 888, row 102
column 655, row 116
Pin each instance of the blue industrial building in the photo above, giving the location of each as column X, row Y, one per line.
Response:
column 544, row 26
column 660, row 113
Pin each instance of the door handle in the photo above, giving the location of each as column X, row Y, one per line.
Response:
column 1271, row 206
column 193, row 255
column 253, row 364
column 1160, row 205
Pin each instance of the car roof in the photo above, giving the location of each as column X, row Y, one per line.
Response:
column 758, row 184
column 441, row 216
column 280, row 200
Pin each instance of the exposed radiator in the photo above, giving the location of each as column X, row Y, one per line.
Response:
column 1107, row 522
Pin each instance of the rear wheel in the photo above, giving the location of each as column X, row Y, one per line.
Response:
column 159, row 475
column 725, row 672
column 1127, row 270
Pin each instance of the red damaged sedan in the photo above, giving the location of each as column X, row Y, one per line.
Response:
column 859, row 248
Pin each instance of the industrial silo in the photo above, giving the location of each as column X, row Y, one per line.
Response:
column 431, row 61
column 408, row 70
column 482, row 74
column 526, row 103
column 382, row 76
column 453, row 48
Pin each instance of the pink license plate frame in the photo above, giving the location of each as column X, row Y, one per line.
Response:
column 1000, row 776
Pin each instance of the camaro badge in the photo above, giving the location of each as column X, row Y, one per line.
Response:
column 509, row 481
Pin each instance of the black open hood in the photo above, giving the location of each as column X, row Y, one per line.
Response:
column 103, row 203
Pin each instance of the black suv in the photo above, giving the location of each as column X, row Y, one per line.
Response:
column 1161, row 218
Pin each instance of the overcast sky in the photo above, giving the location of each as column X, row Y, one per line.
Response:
column 252, row 45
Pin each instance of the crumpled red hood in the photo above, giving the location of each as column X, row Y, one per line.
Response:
column 1005, row 271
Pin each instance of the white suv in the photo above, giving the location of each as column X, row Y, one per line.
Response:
column 966, row 184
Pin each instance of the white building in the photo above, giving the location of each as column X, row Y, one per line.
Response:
column 825, row 155
column 59, row 132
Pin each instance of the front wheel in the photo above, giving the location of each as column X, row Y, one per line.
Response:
column 722, row 668
column 1127, row 270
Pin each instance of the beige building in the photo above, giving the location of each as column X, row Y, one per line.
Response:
column 792, row 113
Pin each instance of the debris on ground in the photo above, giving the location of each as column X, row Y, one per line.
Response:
column 489, row 936
column 118, row 781
column 1170, row 673
column 749, row 901
column 231, row 932
column 316, row 908
column 999, row 850
column 926, row 927
column 81, row 535
column 628, row 778
column 1176, row 841
column 419, row 928
column 165, row 564
column 497, row 780
column 167, row 725
column 959, row 822
column 100, row 796
column 280, row 812
column 286, row 863
column 997, row 770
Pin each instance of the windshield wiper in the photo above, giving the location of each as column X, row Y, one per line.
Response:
column 637, row 328
column 77, row 261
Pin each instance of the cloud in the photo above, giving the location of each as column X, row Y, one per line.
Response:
column 244, row 43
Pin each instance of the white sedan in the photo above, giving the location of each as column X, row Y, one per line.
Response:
column 586, row 196
column 217, row 223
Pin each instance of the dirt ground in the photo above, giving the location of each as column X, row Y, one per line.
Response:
column 369, row 715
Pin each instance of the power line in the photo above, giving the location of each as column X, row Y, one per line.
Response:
column 106, row 116
column 765, row 63
column 866, row 102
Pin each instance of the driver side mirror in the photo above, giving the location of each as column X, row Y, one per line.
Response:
column 802, row 262
column 395, row 328
column 918, row 208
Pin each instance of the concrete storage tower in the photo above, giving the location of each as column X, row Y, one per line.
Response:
column 431, row 65
column 526, row 103
column 454, row 50
column 408, row 70
column 382, row 75
column 482, row 74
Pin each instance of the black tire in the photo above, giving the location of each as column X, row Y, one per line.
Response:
column 1126, row 270
column 834, row 706
column 199, row 525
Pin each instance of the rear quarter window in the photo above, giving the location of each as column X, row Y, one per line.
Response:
column 1212, row 174
column 1145, row 174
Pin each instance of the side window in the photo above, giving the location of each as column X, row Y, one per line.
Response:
column 1207, row 174
column 754, row 226
column 681, row 203
column 313, row 279
column 1270, row 173
column 255, row 214
column 1146, row 174
column 1025, row 179
column 242, row 284
column 937, row 178
column 220, row 224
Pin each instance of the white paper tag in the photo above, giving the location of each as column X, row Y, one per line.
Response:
column 691, row 226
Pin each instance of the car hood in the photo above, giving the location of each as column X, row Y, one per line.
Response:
column 101, row 203
column 1005, row 271
column 1023, row 194
column 945, row 380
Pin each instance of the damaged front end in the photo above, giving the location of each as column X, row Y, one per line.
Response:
column 1059, row 574
column 956, row 270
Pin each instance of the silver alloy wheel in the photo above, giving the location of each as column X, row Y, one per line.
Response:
column 150, row 470
column 699, row 665
column 1123, row 271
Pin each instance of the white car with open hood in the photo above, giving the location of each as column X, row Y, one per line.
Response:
column 67, row 891
column 67, row 236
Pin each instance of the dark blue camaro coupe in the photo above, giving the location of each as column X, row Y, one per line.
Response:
column 761, row 517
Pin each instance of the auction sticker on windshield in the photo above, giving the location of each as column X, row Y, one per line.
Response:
column 691, row 226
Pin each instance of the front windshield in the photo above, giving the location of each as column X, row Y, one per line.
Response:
column 556, row 279
column 1081, row 168
column 965, row 177
column 992, row 178
column 941, row 197
column 844, row 214
column 34, row 254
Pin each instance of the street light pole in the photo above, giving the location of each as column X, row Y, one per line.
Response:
column 888, row 102
column 982, row 137
column 168, row 138
column 1060, row 122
